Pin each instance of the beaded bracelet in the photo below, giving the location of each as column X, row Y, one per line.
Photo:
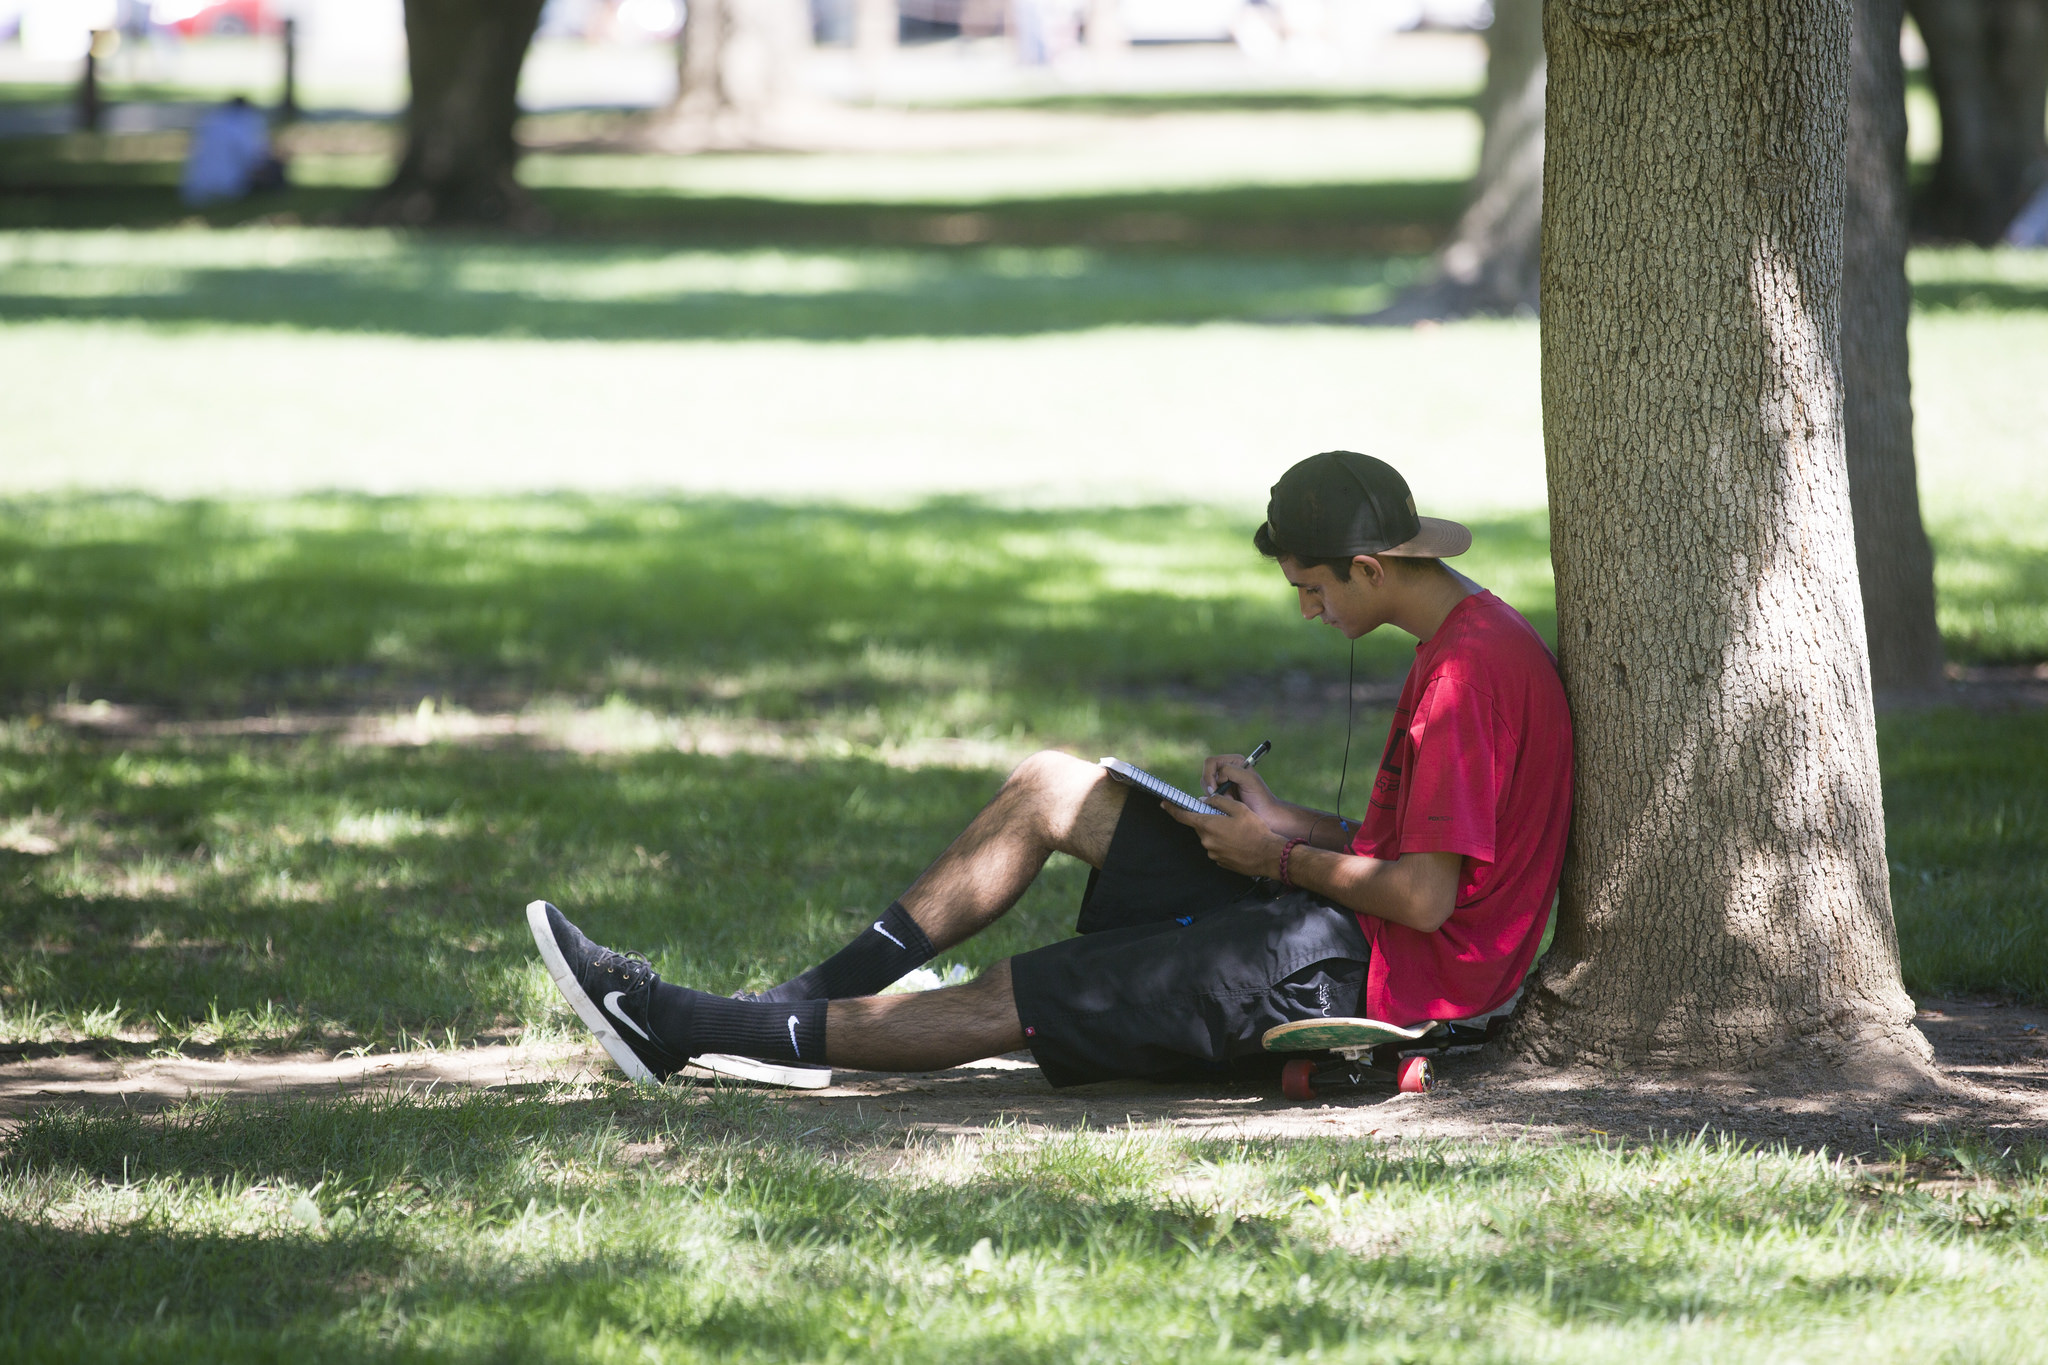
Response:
column 1286, row 852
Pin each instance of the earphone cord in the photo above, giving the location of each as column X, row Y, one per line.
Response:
column 1350, row 691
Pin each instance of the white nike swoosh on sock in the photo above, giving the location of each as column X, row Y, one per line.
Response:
column 792, row 1037
column 891, row 937
column 611, row 1007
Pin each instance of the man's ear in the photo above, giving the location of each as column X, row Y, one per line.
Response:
column 1369, row 565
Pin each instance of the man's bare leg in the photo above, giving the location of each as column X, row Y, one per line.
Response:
column 1052, row 802
column 927, row 1031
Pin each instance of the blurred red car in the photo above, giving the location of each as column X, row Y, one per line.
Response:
column 210, row 18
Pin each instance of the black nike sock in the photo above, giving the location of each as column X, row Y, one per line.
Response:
column 880, row 954
column 690, row 1023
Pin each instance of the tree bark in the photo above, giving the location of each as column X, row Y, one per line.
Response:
column 1726, row 901
column 1893, row 559
column 1490, row 266
column 464, row 58
column 1988, row 61
column 734, row 66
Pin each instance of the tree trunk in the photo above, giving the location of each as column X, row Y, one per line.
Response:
column 734, row 69
column 877, row 28
column 700, row 96
column 1726, row 901
column 1490, row 266
column 1106, row 33
column 463, row 57
column 1988, row 60
column 1893, row 560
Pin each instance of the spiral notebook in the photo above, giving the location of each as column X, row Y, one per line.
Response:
column 1138, row 777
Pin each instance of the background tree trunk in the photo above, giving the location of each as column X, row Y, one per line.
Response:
column 1726, row 901
column 1988, row 60
column 735, row 66
column 1893, row 560
column 464, row 58
column 877, row 26
column 1490, row 265
column 1105, row 24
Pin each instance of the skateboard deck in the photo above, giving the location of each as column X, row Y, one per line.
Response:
column 1350, row 1037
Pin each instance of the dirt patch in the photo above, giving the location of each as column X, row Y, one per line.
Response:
column 154, row 1082
column 1995, row 1057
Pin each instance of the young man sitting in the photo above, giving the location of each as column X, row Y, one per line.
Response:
column 1198, row 933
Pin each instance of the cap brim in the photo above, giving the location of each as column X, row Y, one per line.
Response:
column 1438, row 539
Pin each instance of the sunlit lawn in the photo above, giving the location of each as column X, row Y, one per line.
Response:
column 702, row 573
column 609, row 1225
column 286, row 360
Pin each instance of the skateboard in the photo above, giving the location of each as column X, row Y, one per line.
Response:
column 1356, row 1051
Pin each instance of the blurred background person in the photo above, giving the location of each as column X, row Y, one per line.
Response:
column 231, row 156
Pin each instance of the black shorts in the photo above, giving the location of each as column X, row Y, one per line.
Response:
column 1180, row 966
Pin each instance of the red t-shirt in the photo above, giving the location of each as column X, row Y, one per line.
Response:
column 1479, row 762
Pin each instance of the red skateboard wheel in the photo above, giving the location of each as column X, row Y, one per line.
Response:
column 1298, row 1079
column 1416, row 1075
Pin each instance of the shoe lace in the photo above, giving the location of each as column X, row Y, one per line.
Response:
column 640, row 972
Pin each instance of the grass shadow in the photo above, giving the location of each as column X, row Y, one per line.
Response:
column 916, row 292
column 676, row 602
column 1985, row 295
column 79, row 183
column 353, row 891
column 621, row 268
column 1992, row 596
column 269, row 912
column 1967, row 837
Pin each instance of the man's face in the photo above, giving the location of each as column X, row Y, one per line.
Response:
column 1354, row 608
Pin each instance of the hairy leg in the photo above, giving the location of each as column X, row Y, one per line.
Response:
column 1053, row 802
column 926, row 1031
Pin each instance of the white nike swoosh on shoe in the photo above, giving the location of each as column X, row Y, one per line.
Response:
column 792, row 1037
column 891, row 937
column 611, row 1007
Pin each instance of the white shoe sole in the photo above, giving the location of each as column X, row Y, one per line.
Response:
column 579, row 1000
column 725, row 1066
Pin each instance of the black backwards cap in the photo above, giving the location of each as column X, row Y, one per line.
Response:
column 1340, row 503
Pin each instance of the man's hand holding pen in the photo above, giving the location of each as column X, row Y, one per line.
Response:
column 1241, row 839
column 1232, row 775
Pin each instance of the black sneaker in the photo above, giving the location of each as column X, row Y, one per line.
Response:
column 608, row 991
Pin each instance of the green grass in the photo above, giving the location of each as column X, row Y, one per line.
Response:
column 747, row 725
column 677, row 601
column 828, row 486
column 385, row 283
column 1365, row 179
column 843, row 651
column 606, row 1224
column 1967, row 816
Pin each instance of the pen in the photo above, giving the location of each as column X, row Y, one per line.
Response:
column 1251, row 760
